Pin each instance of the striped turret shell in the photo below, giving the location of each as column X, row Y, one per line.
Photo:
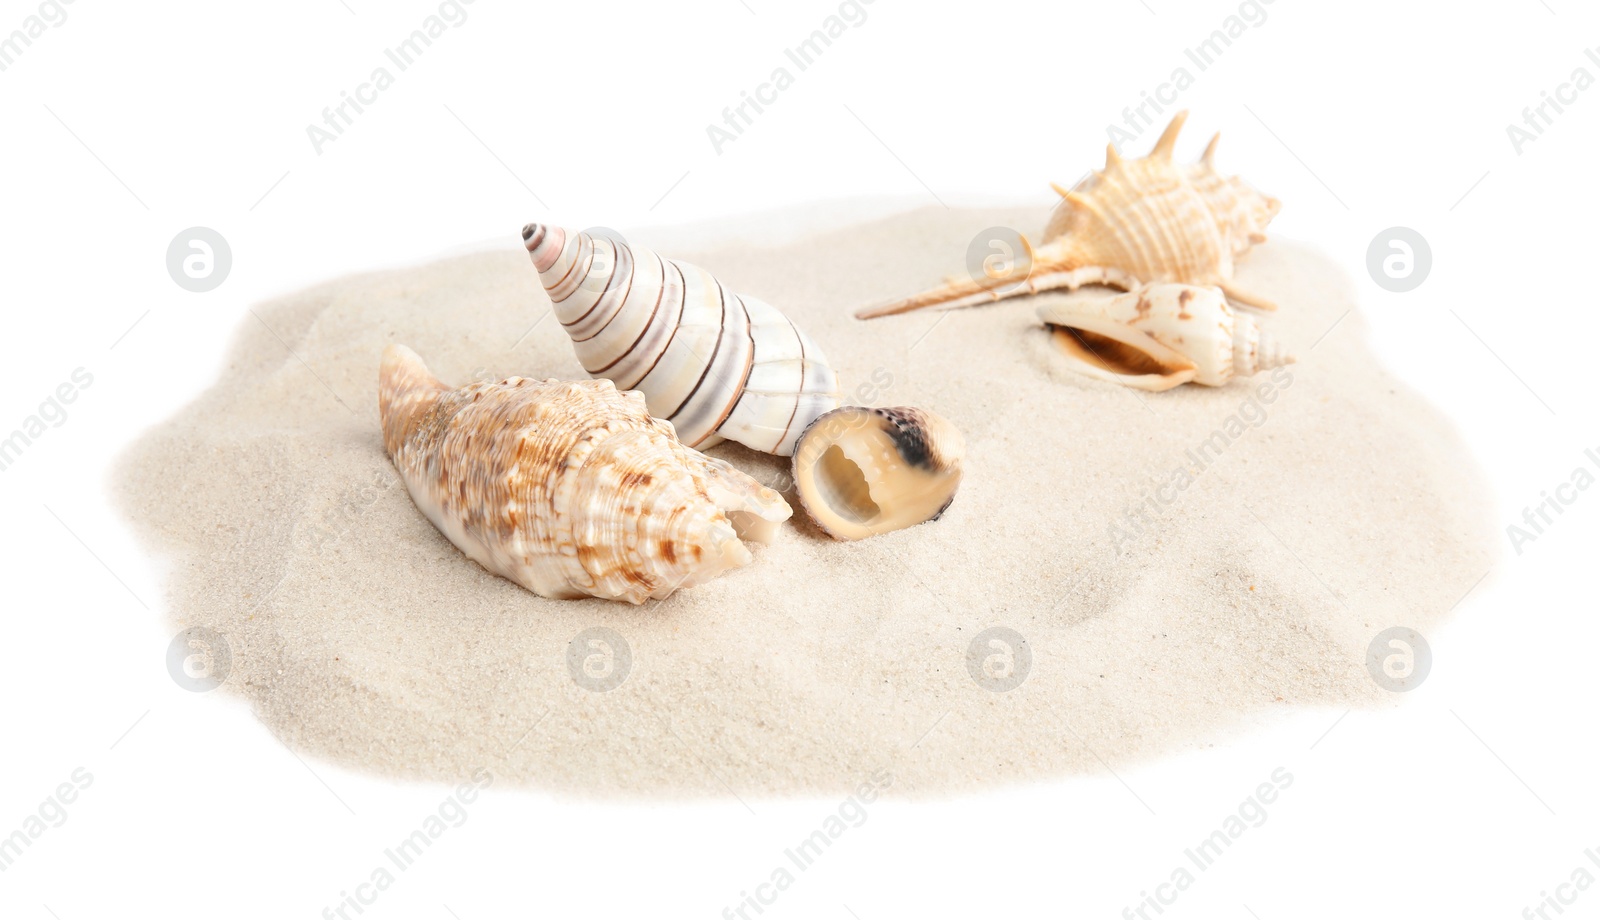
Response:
column 713, row 363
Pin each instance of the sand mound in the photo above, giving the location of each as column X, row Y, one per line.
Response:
column 1174, row 563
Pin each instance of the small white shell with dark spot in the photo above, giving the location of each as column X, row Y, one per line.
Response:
column 861, row 472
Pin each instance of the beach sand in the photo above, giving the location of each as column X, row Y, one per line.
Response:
column 1343, row 506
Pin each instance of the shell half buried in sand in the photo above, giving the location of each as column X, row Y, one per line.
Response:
column 1135, row 221
column 569, row 489
column 713, row 363
column 861, row 472
column 1161, row 336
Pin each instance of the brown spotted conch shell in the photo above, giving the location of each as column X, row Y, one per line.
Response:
column 713, row 363
column 1161, row 336
column 1134, row 222
column 568, row 489
column 861, row 472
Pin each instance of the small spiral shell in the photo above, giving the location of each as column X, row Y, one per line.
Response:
column 569, row 489
column 713, row 363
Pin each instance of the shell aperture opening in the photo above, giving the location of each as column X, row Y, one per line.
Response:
column 844, row 487
column 861, row 472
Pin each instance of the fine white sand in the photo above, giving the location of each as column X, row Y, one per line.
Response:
column 1344, row 506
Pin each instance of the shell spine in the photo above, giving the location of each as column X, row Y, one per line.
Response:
column 1134, row 222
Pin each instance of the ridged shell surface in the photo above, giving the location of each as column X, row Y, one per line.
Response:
column 1134, row 222
column 1158, row 336
column 568, row 489
column 714, row 363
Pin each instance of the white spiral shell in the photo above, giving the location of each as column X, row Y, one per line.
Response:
column 1160, row 336
column 713, row 363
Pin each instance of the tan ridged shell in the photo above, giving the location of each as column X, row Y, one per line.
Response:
column 1135, row 222
column 1160, row 336
column 713, row 363
column 567, row 488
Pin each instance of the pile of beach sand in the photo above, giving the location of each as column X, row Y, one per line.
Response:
column 1169, row 566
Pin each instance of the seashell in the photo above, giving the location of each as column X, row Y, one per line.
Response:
column 1160, row 336
column 713, row 363
column 568, row 489
column 1134, row 222
column 861, row 472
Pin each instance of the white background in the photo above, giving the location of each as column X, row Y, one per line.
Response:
column 131, row 122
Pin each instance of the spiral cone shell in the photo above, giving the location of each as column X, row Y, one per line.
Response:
column 1162, row 335
column 568, row 489
column 713, row 363
column 1133, row 222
